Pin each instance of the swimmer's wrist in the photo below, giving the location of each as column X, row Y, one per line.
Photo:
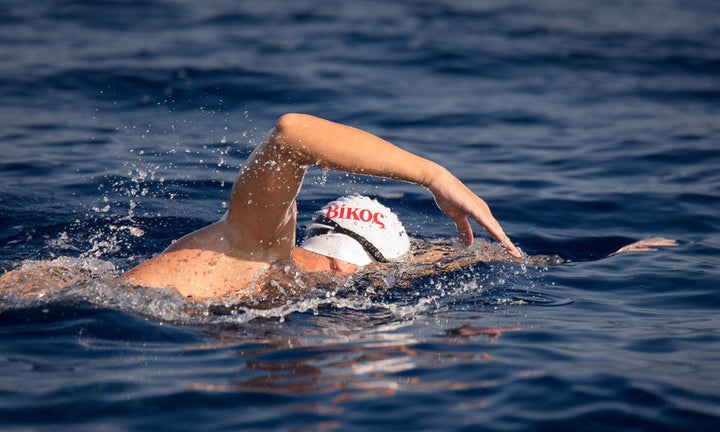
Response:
column 432, row 176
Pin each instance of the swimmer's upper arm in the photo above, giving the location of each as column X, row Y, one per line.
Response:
column 261, row 218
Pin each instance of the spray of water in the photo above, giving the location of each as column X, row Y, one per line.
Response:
column 149, row 182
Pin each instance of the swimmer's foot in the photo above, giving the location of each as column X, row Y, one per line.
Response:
column 647, row 245
column 491, row 332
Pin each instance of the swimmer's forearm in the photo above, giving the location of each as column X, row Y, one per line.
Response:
column 344, row 148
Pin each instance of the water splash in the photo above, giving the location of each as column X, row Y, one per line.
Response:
column 68, row 281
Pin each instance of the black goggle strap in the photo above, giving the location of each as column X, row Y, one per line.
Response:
column 335, row 227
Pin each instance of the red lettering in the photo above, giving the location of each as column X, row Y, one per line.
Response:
column 366, row 215
column 352, row 213
column 358, row 214
column 332, row 212
column 377, row 219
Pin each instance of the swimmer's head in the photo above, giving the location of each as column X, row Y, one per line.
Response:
column 358, row 230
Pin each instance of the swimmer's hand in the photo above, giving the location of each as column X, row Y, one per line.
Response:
column 647, row 245
column 458, row 202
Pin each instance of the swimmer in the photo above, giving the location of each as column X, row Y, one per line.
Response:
column 252, row 250
column 235, row 254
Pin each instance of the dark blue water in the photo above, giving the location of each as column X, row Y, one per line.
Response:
column 584, row 124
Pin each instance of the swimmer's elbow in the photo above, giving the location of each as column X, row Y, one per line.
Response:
column 288, row 123
column 292, row 135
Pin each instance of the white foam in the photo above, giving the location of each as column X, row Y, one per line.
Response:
column 93, row 281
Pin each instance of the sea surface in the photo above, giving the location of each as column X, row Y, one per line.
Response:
column 585, row 125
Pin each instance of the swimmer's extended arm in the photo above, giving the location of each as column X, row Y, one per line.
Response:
column 261, row 207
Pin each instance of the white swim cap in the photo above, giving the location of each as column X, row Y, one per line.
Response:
column 358, row 230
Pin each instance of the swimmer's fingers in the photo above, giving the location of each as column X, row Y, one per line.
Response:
column 464, row 231
column 495, row 231
column 480, row 212
column 459, row 216
column 483, row 216
column 492, row 227
column 647, row 245
column 458, row 202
